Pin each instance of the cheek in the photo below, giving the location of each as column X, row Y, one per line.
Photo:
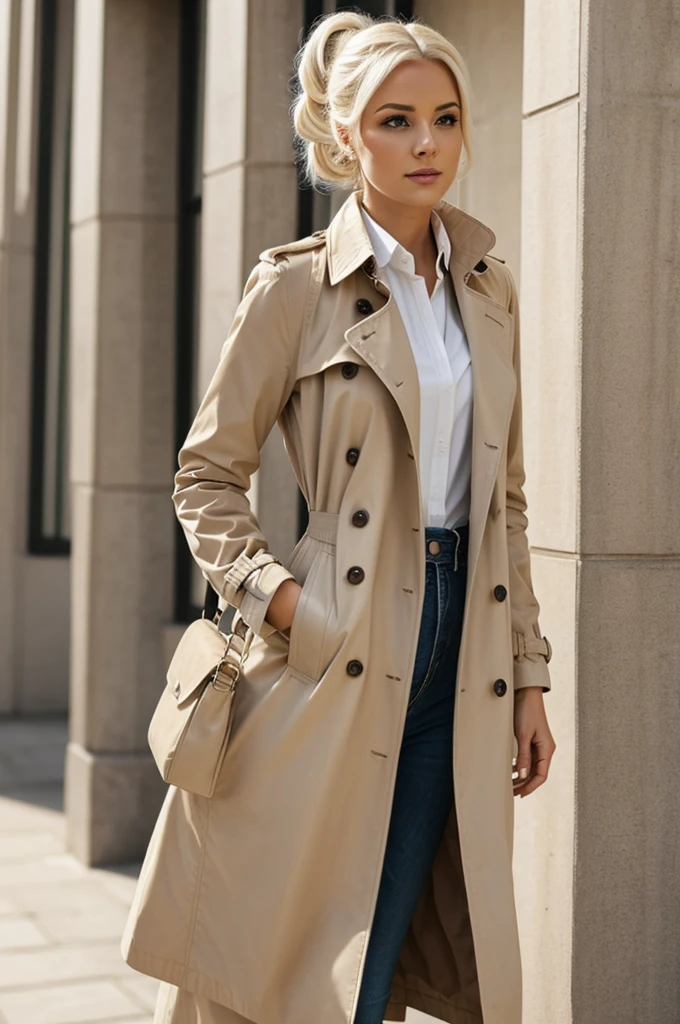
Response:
column 379, row 150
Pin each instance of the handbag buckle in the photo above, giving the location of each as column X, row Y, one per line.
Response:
column 233, row 670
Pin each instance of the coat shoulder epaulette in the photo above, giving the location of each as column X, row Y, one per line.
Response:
column 482, row 266
column 276, row 252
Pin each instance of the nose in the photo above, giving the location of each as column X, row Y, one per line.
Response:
column 426, row 142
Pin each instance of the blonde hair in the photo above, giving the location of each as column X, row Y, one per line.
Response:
column 342, row 63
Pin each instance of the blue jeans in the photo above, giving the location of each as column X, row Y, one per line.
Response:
column 423, row 794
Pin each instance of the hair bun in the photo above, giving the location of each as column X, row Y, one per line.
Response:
column 345, row 59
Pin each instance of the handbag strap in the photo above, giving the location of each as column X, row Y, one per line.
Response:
column 240, row 631
column 210, row 603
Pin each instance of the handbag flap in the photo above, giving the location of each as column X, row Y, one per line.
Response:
column 196, row 657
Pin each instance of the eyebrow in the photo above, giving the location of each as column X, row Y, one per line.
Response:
column 402, row 106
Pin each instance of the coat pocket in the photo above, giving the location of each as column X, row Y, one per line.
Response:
column 309, row 651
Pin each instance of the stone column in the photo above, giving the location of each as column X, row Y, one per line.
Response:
column 17, row 230
column 249, row 198
column 598, row 888
column 33, row 676
column 124, row 162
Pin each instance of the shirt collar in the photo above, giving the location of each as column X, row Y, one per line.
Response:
column 388, row 250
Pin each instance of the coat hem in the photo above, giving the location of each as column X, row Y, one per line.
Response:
column 433, row 1005
column 183, row 977
column 204, row 985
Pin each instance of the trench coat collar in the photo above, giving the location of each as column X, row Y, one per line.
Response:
column 348, row 244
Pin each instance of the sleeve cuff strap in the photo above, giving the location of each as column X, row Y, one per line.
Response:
column 527, row 645
column 259, row 590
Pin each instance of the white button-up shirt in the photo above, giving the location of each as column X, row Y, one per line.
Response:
column 442, row 356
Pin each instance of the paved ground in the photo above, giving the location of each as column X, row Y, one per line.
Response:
column 60, row 923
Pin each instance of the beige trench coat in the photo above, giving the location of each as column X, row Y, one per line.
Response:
column 261, row 898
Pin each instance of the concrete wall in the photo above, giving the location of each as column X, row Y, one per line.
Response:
column 123, row 244
column 34, row 609
column 626, row 886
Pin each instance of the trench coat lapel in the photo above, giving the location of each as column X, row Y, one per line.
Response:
column 382, row 341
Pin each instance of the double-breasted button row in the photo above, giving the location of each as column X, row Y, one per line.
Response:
column 360, row 518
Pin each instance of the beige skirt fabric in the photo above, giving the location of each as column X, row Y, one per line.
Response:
column 177, row 1006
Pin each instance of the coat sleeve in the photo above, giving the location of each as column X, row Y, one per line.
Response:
column 531, row 651
column 253, row 381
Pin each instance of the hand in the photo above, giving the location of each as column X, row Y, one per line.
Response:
column 282, row 606
column 534, row 739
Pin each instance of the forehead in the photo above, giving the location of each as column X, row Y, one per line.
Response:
column 424, row 82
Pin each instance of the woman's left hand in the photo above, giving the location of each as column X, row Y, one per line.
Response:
column 535, row 742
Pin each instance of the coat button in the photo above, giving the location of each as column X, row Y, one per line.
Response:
column 354, row 667
column 364, row 306
column 355, row 574
column 500, row 593
column 352, row 456
column 500, row 687
column 349, row 370
column 360, row 517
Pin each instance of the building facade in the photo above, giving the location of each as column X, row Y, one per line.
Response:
column 146, row 159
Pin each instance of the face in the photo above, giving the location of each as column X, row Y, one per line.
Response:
column 412, row 121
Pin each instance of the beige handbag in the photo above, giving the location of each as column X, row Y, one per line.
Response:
column 189, row 731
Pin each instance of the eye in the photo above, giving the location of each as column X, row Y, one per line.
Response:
column 394, row 117
column 449, row 119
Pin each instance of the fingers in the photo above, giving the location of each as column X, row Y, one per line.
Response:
column 542, row 750
column 524, row 759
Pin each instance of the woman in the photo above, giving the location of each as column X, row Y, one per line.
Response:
column 356, row 856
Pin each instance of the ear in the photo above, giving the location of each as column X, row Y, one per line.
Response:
column 343, row 134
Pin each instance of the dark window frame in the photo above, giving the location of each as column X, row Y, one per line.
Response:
column 189, row 209
column 38, row 542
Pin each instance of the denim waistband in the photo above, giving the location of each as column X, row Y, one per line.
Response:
column 453, row 545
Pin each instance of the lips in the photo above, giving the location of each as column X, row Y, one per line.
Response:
column 424, row 175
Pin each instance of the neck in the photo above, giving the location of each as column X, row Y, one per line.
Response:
column 410, row 225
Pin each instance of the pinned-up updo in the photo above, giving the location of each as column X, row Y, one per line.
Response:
column 345, row 59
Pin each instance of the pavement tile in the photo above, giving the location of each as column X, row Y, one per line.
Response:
column 8, row 906
column 121, row 881
column 23, row 846
column 64, row 926
column 20, row 933
column 143, row 989
column 61, row 963
column 81, row 894
column 60, row 921
column 69, row 1004
column 18, row 813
